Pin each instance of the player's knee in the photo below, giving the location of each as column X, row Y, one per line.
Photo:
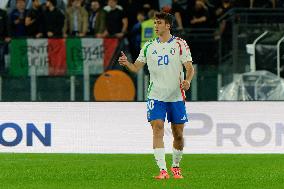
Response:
column 159, row 136
column 178, row 137
column 158, row 132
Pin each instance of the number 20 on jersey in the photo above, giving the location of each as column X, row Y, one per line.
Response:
column 163, row 60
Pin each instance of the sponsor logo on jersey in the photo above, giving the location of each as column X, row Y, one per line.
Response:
column 154, row 52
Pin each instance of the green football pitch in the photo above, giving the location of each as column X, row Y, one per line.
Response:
column 135, row 171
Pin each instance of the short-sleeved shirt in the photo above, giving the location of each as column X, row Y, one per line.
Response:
column 183, row 7
column 114, row 20
column 165, row 63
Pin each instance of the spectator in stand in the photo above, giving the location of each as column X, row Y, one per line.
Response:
column 11, row 5
column 53, row 19
column 148, row 28
column 3, row 38
column 87, row 5
column 180, row 9
column 3, row 4
column 132, row 7
column 16, row 27
column 224, row 26
column 97, row 19
column 165, row 5
column 60, row 4
column 34, row 20
column 3, row 26
column 135, row 33
column 199, row 15
column 76, row 20
column 223, row 7
column 125, row 3
column 116, row 20
column 146, row 8
column 262, row 3
column 108, row 6
column 151, row 4
column 211, row 6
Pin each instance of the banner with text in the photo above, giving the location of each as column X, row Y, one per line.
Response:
column 121, row 127
column 58, row 57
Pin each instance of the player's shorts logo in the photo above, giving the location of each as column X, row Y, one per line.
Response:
column 184, row 118
column 150, row 104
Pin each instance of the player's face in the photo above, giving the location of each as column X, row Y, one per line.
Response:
column 161, row 26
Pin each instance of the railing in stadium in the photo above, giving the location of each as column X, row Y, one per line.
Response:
column 244, row 26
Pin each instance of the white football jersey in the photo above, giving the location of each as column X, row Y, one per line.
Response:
column 165, row 64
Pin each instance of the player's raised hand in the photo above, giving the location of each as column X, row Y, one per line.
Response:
column 123, row 59
column 185, row 85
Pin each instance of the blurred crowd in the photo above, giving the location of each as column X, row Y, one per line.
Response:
column 110, row 18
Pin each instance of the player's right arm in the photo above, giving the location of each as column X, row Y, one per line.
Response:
column 131, row 67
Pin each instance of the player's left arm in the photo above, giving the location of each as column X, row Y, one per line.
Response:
column 189, row 74
column 186, row 60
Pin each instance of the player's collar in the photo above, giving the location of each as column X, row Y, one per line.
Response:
column 170, row 40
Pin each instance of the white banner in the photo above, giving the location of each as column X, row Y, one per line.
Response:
column 37, row 50
column 121, row 127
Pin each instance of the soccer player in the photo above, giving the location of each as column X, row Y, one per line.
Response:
column 165, row 57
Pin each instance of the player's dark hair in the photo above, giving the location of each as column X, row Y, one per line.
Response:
column 165, row 16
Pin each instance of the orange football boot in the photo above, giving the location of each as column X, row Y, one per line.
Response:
column 176, row 172
column 163, row 175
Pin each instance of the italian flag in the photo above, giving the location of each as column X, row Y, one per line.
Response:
column 47, row 55
column 84, row 52
column 57, row 57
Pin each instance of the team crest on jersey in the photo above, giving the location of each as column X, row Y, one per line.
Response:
column 173, row 51
column 154, row 52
